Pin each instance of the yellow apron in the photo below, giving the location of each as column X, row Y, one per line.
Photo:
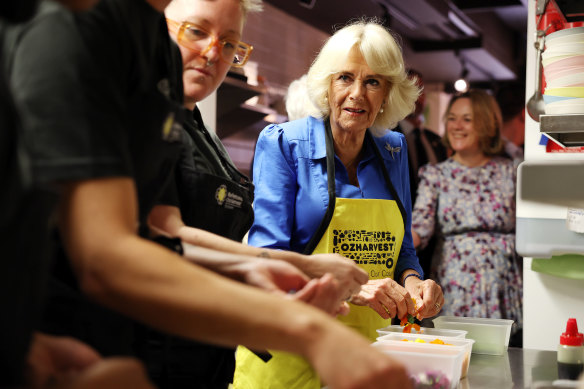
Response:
column 368, row 231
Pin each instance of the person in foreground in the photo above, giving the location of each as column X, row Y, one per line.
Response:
column 339, row 183
column 469, row 201
column 30, row 359
column 108, row 151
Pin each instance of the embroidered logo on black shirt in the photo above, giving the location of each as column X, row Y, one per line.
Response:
column 171, row 129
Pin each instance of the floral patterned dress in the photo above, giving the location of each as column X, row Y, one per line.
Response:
column 473, row 212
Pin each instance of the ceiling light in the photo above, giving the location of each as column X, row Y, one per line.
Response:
column 461, row 85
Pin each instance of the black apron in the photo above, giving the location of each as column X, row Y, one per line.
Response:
column 213, row 194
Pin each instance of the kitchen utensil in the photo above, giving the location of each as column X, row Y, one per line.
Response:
column 535, row 105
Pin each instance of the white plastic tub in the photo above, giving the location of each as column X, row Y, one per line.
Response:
column 462, row 343
column 491, row 336
column 424, row 330
column 420, row 359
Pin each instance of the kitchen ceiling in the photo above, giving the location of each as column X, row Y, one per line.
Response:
column 488, row 36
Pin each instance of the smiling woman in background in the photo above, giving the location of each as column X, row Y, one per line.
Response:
column 339, row 183
column 469, row 200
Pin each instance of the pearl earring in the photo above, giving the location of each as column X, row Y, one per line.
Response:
column 381, row 110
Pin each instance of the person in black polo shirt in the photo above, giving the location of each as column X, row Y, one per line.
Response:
column 31, row 359
column 111, row 151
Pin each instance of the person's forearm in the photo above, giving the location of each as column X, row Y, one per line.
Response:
column 180, row 298
column 413, row 275
column 209, row 240
column 221, row 262
column 416, row 239
column 152, row 284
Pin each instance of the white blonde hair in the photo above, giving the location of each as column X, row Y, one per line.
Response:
column 298, row 105
column 251, row 6
column 246, row 6
column 382, row 54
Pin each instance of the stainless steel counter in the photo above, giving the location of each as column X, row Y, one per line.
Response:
column 518, row 368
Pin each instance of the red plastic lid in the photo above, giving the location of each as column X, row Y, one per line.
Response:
column 572, row 337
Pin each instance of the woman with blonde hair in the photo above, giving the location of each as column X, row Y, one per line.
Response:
column 338, row 183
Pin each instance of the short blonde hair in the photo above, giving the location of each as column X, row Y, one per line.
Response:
column 247, row 6
column 382, row 54
column 487, row 121
column 251, row 6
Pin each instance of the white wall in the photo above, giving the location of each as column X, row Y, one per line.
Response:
column 548, row 300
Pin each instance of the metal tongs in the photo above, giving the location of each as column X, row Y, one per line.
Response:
column 536, row 105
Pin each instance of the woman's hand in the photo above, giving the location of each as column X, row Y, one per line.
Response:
column 386, row 297
column 428, row 295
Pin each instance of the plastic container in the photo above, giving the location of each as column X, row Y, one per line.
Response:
column 424, row 330
column 462, row 343
column 421, row 359
column 491, row 336
column 571, row 352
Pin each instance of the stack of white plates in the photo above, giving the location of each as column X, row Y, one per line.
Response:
column 563, row 68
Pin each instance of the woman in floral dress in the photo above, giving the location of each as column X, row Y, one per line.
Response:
column 469, row 201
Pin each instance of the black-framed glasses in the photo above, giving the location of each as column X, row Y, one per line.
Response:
column 195, row 38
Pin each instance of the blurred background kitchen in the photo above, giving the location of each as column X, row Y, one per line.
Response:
column 487, row 43
column 483, row 40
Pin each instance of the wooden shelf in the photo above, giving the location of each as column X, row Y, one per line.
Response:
column 233, row 113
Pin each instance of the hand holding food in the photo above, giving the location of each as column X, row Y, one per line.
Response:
column 428, row 294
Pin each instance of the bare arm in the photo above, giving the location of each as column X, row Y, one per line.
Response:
column 416, row 239
column 350, row 277
column 149, row 283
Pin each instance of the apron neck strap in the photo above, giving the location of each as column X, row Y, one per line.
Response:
column 330, row 172
column 332, row 192
column 388, row 183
